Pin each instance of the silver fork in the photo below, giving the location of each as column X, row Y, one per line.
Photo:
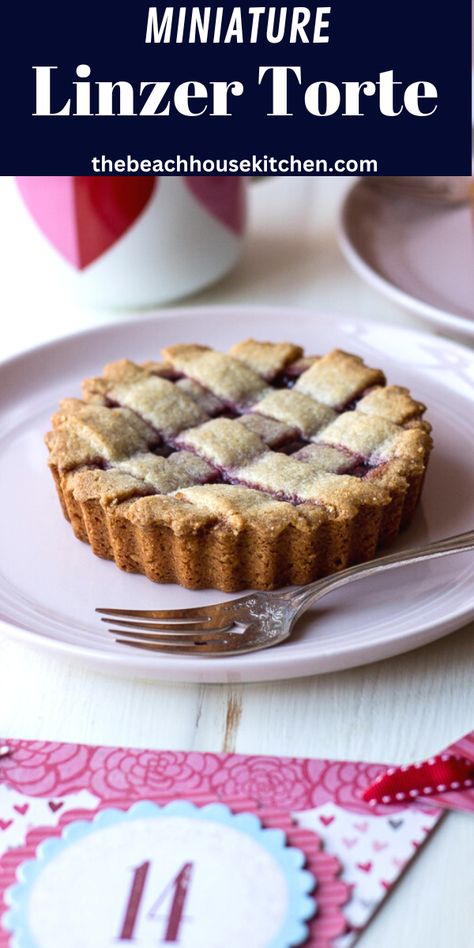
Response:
column 256, row 621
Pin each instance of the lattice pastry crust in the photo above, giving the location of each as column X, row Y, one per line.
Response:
column 256, row 468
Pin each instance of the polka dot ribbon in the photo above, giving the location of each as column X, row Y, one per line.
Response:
column 440, row 774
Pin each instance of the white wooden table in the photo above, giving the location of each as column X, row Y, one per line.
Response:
column 400, row 709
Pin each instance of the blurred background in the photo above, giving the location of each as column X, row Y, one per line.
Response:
column 287, row 253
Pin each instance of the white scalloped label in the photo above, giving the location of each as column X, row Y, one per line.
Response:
column 148, row 877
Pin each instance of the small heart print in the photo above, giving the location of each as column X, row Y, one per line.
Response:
column 21, row 808
column 4, row 824
column 377, row 847
column 365, row 866
column 399, row 863
column 415, row 844
column 395, row 824
column 54, row 807
column 362, row 827
column 326, row 820
column 349, row 843
column 386, row 885
column 427, row 829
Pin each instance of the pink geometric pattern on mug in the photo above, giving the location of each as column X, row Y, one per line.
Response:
column 222, row 197
column 84, row 216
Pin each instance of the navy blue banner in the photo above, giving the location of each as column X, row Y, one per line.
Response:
column 320, row 88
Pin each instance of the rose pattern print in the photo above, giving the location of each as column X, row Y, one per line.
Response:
column 339, row 781
column 115, row 773
column 40, row 768
column 271, row 781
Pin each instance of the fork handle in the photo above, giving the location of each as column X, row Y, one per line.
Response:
column 303, row 598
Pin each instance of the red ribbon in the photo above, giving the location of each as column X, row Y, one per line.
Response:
column 440, row 774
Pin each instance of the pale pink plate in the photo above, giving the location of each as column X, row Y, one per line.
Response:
column 419, row 254
column 50, row 582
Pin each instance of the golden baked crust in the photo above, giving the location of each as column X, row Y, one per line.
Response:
column 255, row 468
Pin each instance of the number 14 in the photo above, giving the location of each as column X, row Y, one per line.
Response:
column 179, row 886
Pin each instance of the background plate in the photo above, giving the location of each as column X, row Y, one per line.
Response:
column 421, row 255
column 50, row 583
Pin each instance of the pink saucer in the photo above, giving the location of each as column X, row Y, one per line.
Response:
column 419, row 254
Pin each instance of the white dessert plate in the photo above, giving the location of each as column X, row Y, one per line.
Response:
column 419, row 254
column 50, row 583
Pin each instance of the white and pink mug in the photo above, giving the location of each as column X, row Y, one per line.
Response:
column 138, row 241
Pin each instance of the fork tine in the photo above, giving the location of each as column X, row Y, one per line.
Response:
column 211, row 648
column 196, row 612
column 184, row 627
column 190, row 632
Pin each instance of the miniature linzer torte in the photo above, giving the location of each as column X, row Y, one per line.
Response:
column 256, row 468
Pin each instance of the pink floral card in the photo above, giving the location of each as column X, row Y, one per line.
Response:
column 331, row 856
